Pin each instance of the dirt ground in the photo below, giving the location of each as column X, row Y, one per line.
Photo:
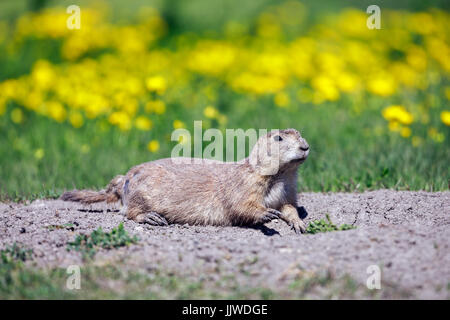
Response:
column 406, row 234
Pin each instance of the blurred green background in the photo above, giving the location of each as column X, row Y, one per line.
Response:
column 78, row 107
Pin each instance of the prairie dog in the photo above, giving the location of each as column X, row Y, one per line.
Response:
column 253, row 191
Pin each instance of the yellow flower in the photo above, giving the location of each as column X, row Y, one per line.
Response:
column 130, row 107
column 2, row 106
column 121, row 119
column 39, row 153
column 445, row 117
column 398, row 113
column 405, row 132
column 346, row 82
column 157, row 84
column 258, row 84
column 211, row 57
column 178, row 124
column 43, row 75
column 156, row 106
column 76, row 119
column 56, row 111
column 383, row 86
column 143, row 123
column 325, row 87
column 153, row 146
column 281, row 99
column 17, row 115
column 210, row 112
column 394, row 126
column 417, row 58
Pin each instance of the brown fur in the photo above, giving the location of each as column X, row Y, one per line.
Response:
column 112, row 193
column 212, row 192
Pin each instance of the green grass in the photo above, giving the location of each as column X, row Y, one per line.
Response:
column 15, row 254
column 89, row 244
column 350, row 150
column 327, row 225
column 346, row 153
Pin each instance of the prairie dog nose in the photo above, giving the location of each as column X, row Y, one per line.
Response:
column 304, row 146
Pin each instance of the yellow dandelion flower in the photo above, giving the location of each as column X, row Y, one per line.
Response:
column 120, row 119
column 281, row 99
column 398, row 113
column 2, row 106
column 143, row 123
column 76, row 119
column 178, row 124
column 210, row 112
column 347, row 82
column 325, row 86
column 156, row 106
column 383, row 86
column 258, row 84
column 17, row 115
column 156, row 84
column 153, row 146
column 43, row 75
column 405, row 132
column 130, row 107
column 445, row 117
column 394, row 126
column 56, row 111
column 39, row 153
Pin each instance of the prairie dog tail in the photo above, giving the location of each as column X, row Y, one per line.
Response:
column 112, row 193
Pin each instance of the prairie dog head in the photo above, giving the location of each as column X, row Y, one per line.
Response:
column 279, row 149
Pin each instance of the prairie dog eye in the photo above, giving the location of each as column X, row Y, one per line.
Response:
column 277, row 138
